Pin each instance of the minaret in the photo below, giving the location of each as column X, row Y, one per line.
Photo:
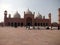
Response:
column 5, row 17
column 59, row 15
column 50, row 17
column 5, row 14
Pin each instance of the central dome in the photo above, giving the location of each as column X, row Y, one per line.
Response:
column 28, row 11
column 17, row 15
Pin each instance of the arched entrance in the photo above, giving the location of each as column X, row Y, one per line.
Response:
column 15, row 24
column 12, row 24
column 29, row 21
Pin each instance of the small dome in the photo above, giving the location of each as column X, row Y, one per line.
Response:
column 39, row 16
column 17, row 15
column 28, row 11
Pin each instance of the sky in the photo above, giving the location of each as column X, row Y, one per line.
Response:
column 44, row 7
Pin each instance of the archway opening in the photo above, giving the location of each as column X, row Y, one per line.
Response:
column 15, row 24
column 29, row 21
column 12, row 24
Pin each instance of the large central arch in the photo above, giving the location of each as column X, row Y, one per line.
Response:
column 29, row 21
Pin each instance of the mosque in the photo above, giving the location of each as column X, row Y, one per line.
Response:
column 28, row 19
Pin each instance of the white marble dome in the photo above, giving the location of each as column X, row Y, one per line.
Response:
column 39, row 16
column 17, row 15
column 28, row 11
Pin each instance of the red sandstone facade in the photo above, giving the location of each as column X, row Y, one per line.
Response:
column 59, row 14
column 27, row 20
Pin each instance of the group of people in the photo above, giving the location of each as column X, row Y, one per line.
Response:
column 28, row 27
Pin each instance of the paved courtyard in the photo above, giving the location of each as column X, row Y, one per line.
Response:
column 22, row 36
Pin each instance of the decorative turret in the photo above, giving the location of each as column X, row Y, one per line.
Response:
column 50, row 17
column 43, row 17
column 5, row 17
column 5, row 14
column 59, row 14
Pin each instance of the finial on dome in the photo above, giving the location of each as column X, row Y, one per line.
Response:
column 28, row 11
column 16, row 11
